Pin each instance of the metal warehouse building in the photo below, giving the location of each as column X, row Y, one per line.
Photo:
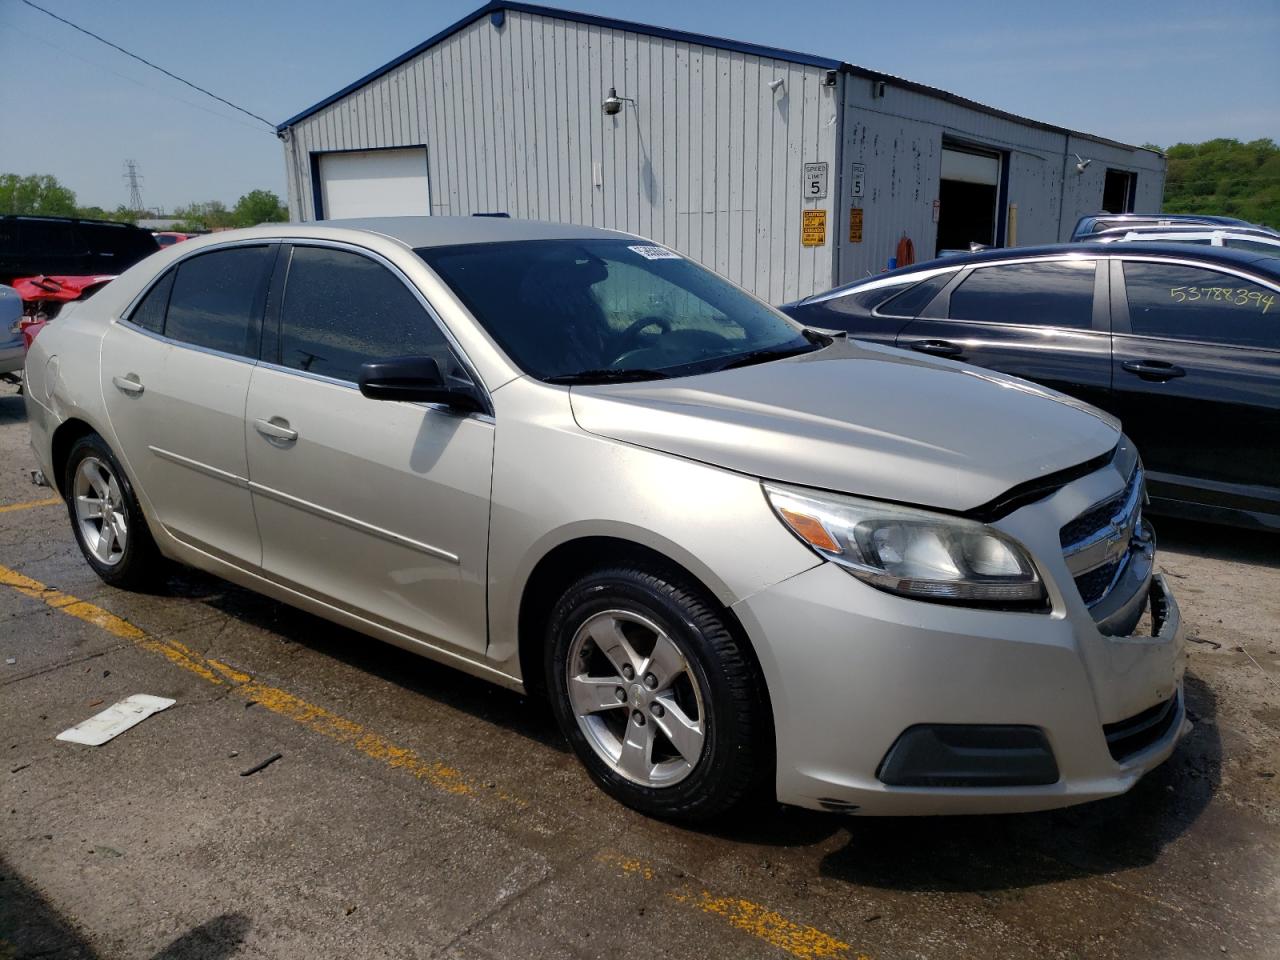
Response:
column 787, row 173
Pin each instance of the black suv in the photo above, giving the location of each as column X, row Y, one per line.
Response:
column 1181, row 343
column 63, row 246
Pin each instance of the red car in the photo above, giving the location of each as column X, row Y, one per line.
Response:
column 43, row 297
column 167, row 238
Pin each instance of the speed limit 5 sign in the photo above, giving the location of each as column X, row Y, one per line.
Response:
column 815, row 181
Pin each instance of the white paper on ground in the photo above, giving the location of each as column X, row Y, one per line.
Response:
column 115, row 720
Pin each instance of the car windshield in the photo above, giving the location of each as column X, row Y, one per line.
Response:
column 596, row 310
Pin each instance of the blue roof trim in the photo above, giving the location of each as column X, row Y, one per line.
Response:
column 684, row 36
column 495, row 6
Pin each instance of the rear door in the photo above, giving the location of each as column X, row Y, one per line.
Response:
column 175, row 375
column 1197, row 377
column 377, row 507
column 1046, row 320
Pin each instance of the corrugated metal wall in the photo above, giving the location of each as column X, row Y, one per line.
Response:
column 898, row 138
column 708, row 161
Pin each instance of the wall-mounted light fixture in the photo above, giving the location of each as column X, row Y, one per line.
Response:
column 776, row 85
column 1081, row 163
column 612, row 104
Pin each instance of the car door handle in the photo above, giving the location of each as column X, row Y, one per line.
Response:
column 129, row 384
column 277, row 428
column 1156, row 370
column 938, row 348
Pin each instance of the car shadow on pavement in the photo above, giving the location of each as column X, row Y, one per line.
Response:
column 12, row 409
column 30, row 926
column 992, row 853
column 1216, row 542
column 527, row 716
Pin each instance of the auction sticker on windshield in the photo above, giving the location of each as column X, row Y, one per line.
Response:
column 653, row 252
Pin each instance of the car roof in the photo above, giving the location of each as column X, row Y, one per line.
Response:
column 98, row 223
column 1171, row 218
column 1084, row 250
column 449, row 231
column 1183, row 227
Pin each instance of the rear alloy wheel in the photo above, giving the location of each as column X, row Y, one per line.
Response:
column 657, row 696
column 99, row 511
column 106, row 519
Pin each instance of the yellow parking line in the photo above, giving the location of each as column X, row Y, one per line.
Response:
column 277, row 701
column 30, row 504
column 799, row 940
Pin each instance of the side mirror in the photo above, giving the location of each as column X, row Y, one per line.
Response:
column 413, row 379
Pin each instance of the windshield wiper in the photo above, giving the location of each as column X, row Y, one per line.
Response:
column 608, row 376
column 773, row 353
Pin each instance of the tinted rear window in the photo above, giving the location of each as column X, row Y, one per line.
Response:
column 912, row 302
column 149, row 314
column 217, row 299
column 1057, row 293
column 1190, row 303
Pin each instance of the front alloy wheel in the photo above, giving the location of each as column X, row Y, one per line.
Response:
column 658, row 696
column 635, row 698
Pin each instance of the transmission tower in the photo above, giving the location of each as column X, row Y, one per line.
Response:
column 134, row 180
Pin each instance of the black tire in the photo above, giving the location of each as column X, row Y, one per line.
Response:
column 736, row 760
column 140, row 565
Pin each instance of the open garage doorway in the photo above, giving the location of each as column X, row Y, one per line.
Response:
column 968, row 197
column 1118, row 191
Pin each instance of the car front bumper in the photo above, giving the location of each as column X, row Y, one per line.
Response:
column 851, row 668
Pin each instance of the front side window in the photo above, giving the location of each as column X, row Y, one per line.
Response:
column 342, row 309
column 217, row 299
column 1178, row 302
column 1057, row 293
column 601, row 309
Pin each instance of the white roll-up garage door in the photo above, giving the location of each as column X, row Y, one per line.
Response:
column 966, row 167
column 374, row 183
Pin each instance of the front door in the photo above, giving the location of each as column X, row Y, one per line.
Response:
column 1197, row 361
column 175, row 375
column 1045, row 320
column 378, row 507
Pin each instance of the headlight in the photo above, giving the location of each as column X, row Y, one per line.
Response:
column 915, row 553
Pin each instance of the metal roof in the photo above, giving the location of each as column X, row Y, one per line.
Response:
column 495, row 7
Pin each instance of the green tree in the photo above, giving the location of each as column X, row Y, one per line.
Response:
column 1225, row 177
column 36, row 195
column 199, row 217
column 259, row 206
column 119, row 214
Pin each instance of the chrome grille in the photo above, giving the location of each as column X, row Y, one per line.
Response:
column 1097, row 543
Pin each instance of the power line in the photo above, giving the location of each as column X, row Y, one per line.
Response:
column 134, row 80
column 143, row 60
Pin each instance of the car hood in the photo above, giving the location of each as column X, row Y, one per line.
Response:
column 859, row 419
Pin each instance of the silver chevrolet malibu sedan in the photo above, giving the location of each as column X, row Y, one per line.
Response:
column 738, row 556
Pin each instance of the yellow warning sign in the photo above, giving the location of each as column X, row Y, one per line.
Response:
column 855, row 224
column 813, row 227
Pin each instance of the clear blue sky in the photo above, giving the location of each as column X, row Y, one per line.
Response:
column 1158, row 71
